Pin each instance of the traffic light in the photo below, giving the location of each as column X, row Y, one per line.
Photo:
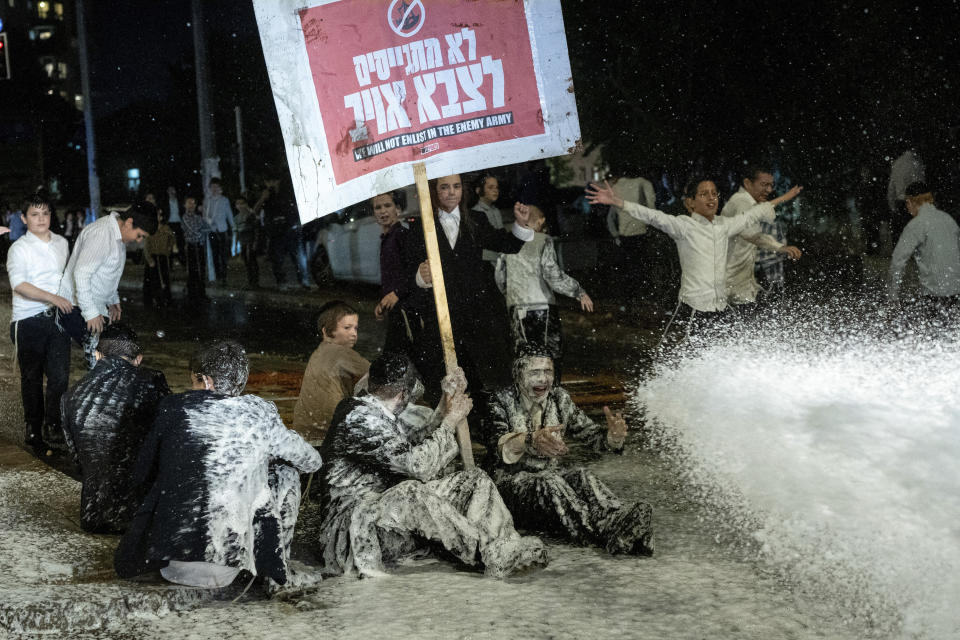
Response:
column 4, row 57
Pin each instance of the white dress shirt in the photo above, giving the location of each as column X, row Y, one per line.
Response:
column 639, row 190
column 742, row 285
column 39, row 263
column 93, row 272
column 934, row 239
column 174, row 210
column 702, row 246
column 217, row 213
column 450, row 223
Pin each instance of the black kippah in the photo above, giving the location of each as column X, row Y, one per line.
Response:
column 916, row 189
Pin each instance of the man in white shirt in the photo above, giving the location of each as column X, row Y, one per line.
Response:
column 631, row 234
column 35, row 263
column 93, row 273
column 742, row 287
column 219, row 216
column 702, row 240
column 933, row 239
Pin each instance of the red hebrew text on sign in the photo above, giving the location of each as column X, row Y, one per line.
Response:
column 400, row 81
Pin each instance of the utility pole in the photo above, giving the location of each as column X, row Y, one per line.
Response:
column 210, row 162
column 93, row 180
column 243, row 177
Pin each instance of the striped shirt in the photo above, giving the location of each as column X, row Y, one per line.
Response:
column 195, row 228
column 93, row 272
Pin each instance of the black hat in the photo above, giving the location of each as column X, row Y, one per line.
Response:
column 393, row 369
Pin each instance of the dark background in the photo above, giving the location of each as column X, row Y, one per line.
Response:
column 821, row 89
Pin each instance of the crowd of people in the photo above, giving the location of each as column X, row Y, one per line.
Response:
column 206, row 484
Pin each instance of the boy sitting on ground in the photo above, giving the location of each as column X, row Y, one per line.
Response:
column 385, row 493
column 106, row 417
column 332, row 372
column 225, row 488
column 525, row 429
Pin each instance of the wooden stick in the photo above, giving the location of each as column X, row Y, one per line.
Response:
column 440, row 298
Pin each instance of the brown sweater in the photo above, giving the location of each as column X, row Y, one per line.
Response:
column 332, row 372
column 160, row 243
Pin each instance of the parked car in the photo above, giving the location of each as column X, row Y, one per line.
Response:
column 348, row 246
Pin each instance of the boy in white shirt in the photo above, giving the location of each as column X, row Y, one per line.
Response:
column 702, row 240
column 93, row 273
column 35, row 264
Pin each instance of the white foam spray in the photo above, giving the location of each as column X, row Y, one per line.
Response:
column 833, row 455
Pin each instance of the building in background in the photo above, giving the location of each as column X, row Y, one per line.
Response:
column 41, row 123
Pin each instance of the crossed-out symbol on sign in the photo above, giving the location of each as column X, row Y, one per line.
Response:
column 405, row 17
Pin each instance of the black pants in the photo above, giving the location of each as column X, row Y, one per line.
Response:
column 248, row 251
column 482, row 353
column 686, row 323
column 636, row 266
column 42, row 350
column 156, row 282
column 289, row 242
column 177, row 229
column 75, row 327
column 220, row 247
column 196, row 272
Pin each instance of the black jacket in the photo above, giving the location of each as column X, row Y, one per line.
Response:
column 106, row 417
column 477, row 310
column 208, row 461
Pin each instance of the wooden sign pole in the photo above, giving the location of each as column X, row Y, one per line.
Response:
column 440, row 298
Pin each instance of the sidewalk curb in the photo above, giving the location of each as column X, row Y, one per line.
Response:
column 56, row 579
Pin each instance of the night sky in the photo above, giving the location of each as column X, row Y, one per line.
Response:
column 820, row 87
column 137, row 43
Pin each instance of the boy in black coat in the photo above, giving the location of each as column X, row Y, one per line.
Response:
column 106, row 417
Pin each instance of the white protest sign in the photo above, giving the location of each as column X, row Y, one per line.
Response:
column 366, row 88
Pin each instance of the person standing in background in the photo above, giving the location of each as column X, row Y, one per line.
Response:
column 195, row 231
column 631, row 234
column 156, row 274
column 488, row 191
column 219, row 217
column 248, row 223
column 905, row 170
column 174, row 222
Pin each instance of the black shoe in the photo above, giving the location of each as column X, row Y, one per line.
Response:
column 35, row 444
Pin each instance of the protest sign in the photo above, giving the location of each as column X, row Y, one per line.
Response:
column 366, row 88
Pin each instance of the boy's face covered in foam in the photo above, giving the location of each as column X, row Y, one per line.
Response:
column 537, row 378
